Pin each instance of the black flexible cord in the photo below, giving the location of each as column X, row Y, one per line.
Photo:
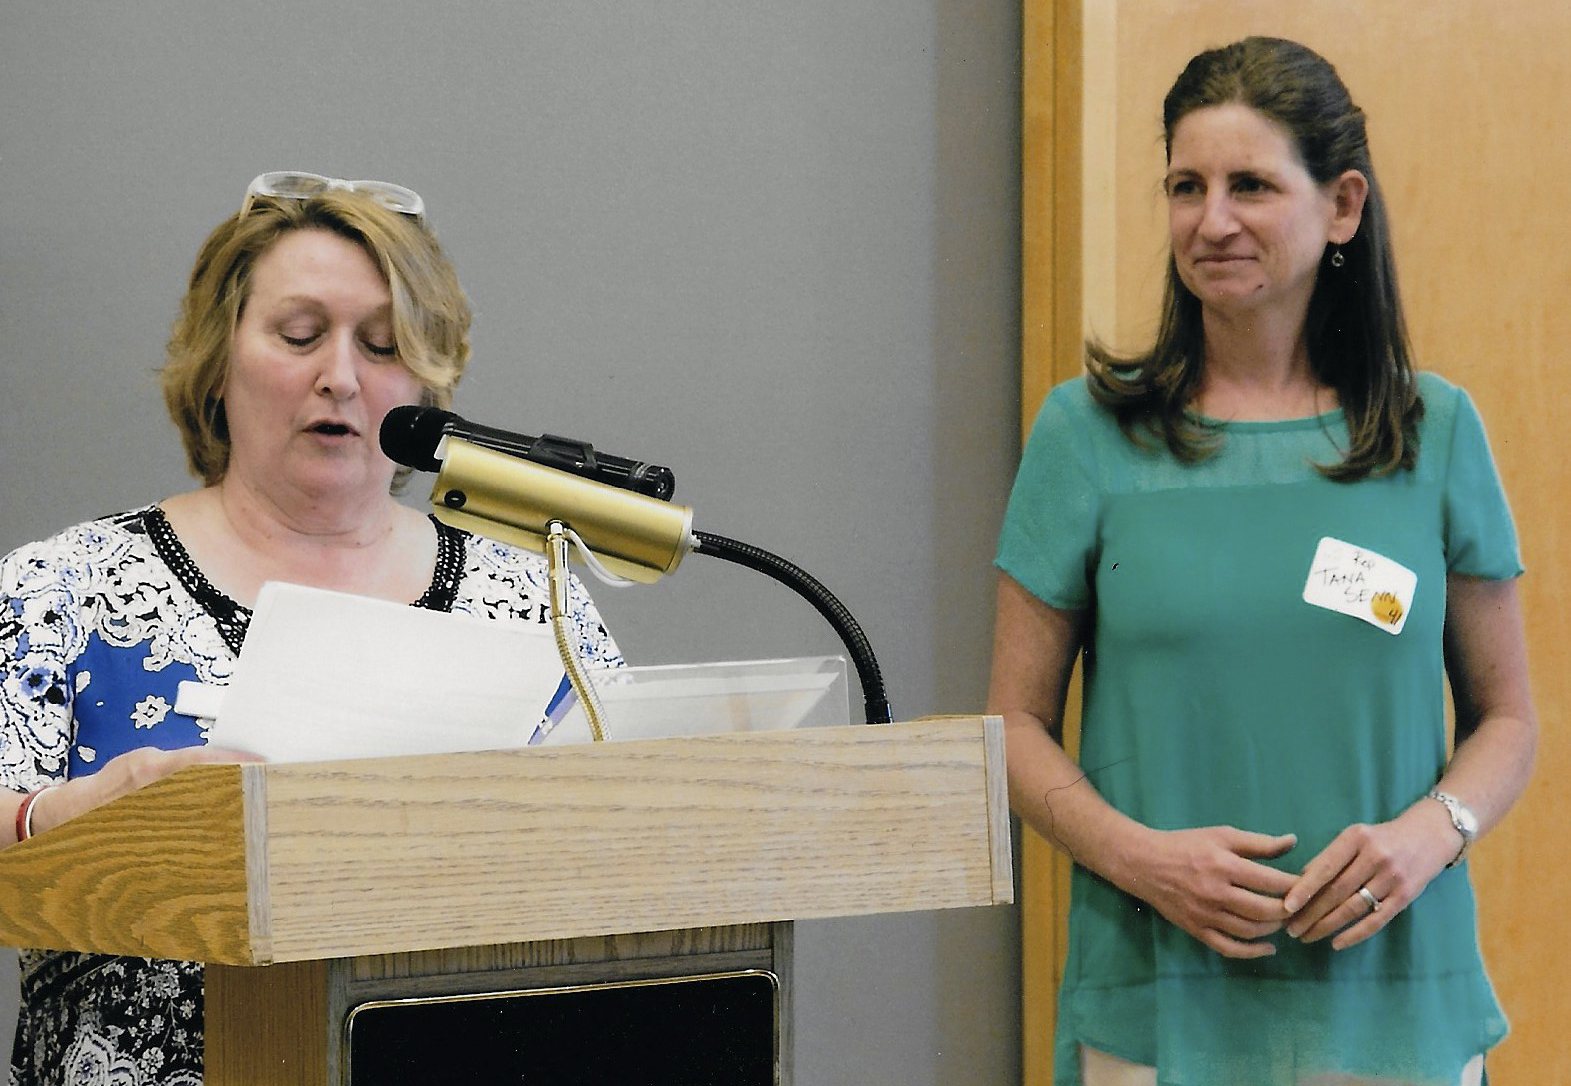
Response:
column 823, row 600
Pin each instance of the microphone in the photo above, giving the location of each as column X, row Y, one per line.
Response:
column 411, row 436
column 523, row 490
column 504, row 495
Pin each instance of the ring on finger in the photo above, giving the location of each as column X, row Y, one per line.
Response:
column 1370, row 899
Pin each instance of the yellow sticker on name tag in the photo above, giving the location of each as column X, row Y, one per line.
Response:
column 1358, row 582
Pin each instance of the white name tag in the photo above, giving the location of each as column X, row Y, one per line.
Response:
column 1358, row 582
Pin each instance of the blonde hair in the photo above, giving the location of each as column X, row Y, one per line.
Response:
column 430, row 313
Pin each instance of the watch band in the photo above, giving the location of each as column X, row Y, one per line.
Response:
column 1463, row 820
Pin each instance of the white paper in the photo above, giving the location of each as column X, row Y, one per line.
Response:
column 325, row 675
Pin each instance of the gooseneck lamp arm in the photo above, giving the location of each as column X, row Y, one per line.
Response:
column 561, row 629
column 530, row 492
column 876, row 702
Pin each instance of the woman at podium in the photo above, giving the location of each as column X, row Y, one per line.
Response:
column 310, row 312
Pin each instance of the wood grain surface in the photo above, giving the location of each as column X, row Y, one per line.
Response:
column 158, row 873
column 410, row 854
column 714, row 830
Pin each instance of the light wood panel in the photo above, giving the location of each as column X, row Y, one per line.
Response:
column 1467, row 112
column 405, row 854
column 632, row 952
column 638, row 836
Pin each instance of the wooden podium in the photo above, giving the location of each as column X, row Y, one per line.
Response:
column 312, row 888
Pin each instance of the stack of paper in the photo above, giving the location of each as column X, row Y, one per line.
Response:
column 328, row 675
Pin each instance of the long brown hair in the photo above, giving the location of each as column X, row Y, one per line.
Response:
column 1355, row 330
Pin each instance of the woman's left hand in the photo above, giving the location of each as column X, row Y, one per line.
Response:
column 1392, row 861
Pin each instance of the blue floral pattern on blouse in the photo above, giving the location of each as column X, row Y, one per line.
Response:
column 98, row 626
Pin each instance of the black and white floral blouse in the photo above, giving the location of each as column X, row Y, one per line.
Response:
column 98, row 626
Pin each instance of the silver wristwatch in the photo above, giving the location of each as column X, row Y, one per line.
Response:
column 1465, row 821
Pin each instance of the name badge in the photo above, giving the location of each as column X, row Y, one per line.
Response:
column 1358, row 582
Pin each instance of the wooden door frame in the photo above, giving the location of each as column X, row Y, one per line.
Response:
column 1051, row 339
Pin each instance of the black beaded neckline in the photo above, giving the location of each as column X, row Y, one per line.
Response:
column 233, row 619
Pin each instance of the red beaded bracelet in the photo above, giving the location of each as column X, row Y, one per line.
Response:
column 24, row 812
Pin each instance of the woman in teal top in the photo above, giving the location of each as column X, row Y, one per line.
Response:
column 1273, row 541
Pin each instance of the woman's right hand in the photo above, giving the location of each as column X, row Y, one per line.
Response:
column 120, row 776
column 1209, row 882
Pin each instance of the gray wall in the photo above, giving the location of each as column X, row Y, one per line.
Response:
column 773, row 245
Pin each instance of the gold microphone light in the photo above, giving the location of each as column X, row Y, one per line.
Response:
column 629, row 529
column 514, row 500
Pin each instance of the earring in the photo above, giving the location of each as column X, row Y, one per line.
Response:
column 1337, row 259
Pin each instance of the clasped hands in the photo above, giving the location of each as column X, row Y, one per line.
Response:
column 1211, row 882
